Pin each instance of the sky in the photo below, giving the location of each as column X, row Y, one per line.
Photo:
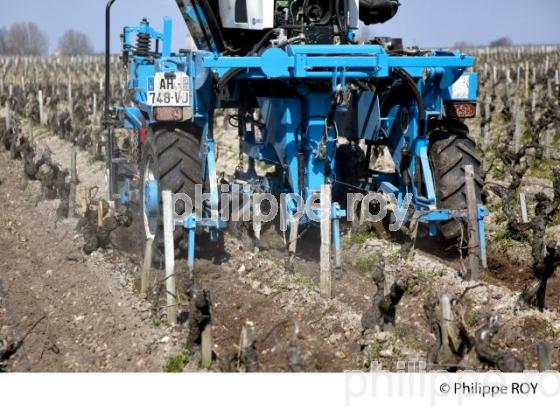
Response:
column 426, row 23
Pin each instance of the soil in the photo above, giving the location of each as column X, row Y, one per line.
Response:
column 91, row 317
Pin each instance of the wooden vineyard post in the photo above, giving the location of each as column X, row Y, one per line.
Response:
column 206, row 347
column 507, row 85
column 247, row 353
column 523, row 204
column 168, row 227
column 472, row 217
column 326, row 274
column 40, row 100
column 100, row 213
column 526, row 79
column 355, row 217
column 84, row 200
column 30, row 124
column 534, row 75
column 73, row 182
column 8, row 124
column 293, row 237
column 257, row 224
column 548, row 143
column 544, row 353
column 70, row 101
column 517, row 132
column 447, row 322
column 146, row 266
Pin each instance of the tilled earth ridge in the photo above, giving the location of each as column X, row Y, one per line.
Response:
column 91, row 318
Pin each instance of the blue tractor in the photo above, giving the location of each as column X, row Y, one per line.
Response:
column 311, row 102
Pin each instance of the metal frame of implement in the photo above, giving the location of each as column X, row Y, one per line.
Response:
column 294, row 132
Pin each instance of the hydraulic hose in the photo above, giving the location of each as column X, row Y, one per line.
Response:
column 407, row 82
column 407, row 79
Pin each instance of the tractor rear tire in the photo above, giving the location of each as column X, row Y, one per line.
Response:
column 172, row 155
column 451, row 149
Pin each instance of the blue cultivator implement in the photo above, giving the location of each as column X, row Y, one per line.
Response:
column 311, row 103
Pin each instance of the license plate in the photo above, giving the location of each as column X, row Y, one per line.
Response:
column 169, row 91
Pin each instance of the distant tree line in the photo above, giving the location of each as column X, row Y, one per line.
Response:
column 28, row 39
column 23, row 39
column 74, row 43
column 499, row 42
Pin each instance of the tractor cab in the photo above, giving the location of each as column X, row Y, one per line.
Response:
column 245, row 27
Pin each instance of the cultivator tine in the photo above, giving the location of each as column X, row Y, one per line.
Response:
column 336, row 246
column 482, row 214
column 191, row 244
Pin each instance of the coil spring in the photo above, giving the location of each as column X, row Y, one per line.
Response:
column 143, row 44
